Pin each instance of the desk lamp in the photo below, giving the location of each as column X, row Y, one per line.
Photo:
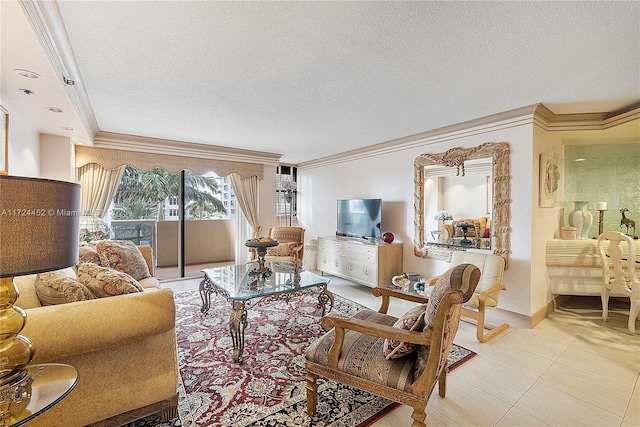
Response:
column 38, row 232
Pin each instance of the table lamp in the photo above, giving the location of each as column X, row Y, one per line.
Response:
column 38, row 232
column 93, row 228
column 443, row 216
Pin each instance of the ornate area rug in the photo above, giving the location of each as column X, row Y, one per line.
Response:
column 268, row 387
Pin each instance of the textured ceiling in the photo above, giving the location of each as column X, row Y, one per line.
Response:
column 312, row 79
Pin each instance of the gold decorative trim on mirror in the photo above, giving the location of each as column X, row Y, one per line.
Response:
column 501, row 211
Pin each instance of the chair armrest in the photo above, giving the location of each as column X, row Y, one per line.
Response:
column 387, row 292
column 431, row 281
column 482, row 296
column 340, row 324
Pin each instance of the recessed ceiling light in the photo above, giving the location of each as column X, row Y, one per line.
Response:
column 55, row 109
column 27, row 91
column 28, row 74
column 67, row 128
column 580, row 160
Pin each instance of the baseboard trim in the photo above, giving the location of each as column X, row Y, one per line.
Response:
column 499, row 315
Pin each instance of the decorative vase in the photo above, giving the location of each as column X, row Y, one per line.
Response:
column 581, row 219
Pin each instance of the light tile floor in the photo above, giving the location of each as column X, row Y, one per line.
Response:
column 572, row 369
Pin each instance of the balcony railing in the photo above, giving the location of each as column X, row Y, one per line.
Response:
column 207, row 242
column 139, row 231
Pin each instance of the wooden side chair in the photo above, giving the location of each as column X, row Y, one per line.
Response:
column 620, row 278
column 399, row 359
column 487, row 292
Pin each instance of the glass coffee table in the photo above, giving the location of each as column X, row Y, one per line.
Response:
column 245, row 290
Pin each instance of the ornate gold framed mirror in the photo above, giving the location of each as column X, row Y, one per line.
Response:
column 499, row 154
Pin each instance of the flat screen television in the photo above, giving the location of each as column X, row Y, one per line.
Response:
column 359, row 218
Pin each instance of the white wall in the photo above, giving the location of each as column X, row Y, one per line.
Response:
column 390, row 176
column 57, row 158
column 24, row 147
column 207, row 241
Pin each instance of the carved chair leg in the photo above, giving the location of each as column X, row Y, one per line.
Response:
column 442, row 382
column 312, row 393
column 419, row 416
column 604, row 296
column 634, row 313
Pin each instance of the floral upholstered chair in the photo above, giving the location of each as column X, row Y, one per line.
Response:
column 399, row 359
column 291, row 246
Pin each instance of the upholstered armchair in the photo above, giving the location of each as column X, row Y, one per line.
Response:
column 487, row 292
column 399, row 359
column 291, row 247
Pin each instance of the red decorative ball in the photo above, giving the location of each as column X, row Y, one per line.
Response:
column 387, row 237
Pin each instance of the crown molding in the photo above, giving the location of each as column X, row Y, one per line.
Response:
column 537, row 114
column 623, row 117
column 492, row 123
column 47, row 24
column 117, row 141
column 550, row 121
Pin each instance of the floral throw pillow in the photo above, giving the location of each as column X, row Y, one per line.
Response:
column 283, row 249
column 60, row 287
column 124, row 256
column 106, row 282
column 88, row 253
column 412, row 320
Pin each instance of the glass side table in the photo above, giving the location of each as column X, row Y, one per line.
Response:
column 52, row 383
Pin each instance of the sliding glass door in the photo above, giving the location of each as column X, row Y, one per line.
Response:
column 185, row 217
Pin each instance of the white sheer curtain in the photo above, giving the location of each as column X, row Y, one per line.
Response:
column 247, row 196
column 98, row 188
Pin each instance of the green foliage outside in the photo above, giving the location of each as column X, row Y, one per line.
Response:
column 141, row 195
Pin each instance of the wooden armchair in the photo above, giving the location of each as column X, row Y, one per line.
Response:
column 488, row 291
column 399, row 359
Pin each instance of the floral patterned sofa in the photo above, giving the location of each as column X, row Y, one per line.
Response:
column 118, row 332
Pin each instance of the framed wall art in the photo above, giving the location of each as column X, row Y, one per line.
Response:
column 4, row 140
column 551, row 180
